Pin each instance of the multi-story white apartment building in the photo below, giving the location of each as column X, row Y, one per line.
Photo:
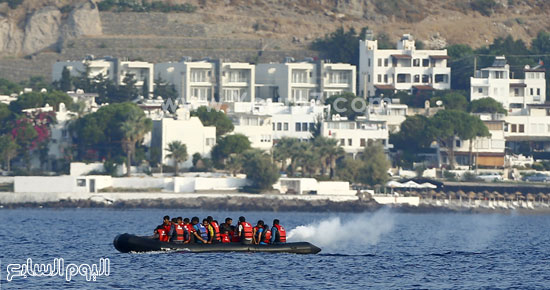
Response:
column 256, row 127
column 109, row 67
column 189, row 130
column 404, row 68
column 354, row 136
column 529, row 126
column 299, row 82
column 205, row 81
column 392, row 114
column 496, row 82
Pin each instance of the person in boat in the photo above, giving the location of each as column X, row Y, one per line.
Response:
column 161, row 231
column 179, row 233
column 213, row 231
column 190, row 230
column 257, row 232
column 266, row 236
column 234, row 235
column 199, row 231
column 225, row 231
column 245, row 231
column 278, row 233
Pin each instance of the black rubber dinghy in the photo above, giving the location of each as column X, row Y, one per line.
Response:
column 126, row 243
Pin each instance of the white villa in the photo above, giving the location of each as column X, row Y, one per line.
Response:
column 496, row 82
column 354, row 136
column 256, row 127
column 404, row 68
column 299, row 82
column 189, row 130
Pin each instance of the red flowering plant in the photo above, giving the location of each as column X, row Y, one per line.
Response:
column 33, row 129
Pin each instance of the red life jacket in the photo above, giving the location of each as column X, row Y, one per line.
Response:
column 267, row 236
column 247, row 230
column 235, row 237
column 225, row 238
column 179, row 232
column 190, row 230
column 163, row 235
column 216, row 230
column 281, row 234
column 167, row 227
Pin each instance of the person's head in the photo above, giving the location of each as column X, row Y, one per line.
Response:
column 260, row 223
column 242, row 219
column 194, row 220
column 180, row 219
column 266, row 227
column 209, row 218
column 228, row 221
column 205, row 222
column 166, row 219
column 174, row 220
column 275, row 222
column 186, row 220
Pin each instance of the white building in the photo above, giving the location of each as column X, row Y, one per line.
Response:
column 287, row 121
column 404, row 68
column 203, row 82
column 189, row 130
column 497, row 82
column 108, row 67
column 354, row 136
column 299, row 82
column 530, row 125
column 392, row 114
column 256, row 127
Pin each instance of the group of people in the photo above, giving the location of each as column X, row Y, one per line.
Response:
column 183, row 230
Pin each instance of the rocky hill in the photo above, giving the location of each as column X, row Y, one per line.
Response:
column 248, row 30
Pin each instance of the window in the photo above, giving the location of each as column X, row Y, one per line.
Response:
column 385, row 62
column 426, row 62
column 299, row 76
column 368, row 63
column 340, row 77
column 199, row 75
column 416, row 78
column 311, row 126
column 232, row 95
column 298, row 127
column 386, row 79
column 279, row 126
column 210, row 141
column 480, row 90
column 521, row 128
column 81, row 182
column 458, row 143
column 350, row 142
column 531, row 91
column 342, row 142
column 368, row 78
column 362, row 142
column 538, row 92
column 300, row 95
column 285, row 126
column 516, row 92
column 514, row 128
column 416, row 62
column 425, row 79
column 379, row 78
column 238, row 76
column 440, row 78
column 273, row 127
column 304, row 127
column 200, row 93
column 379, row 62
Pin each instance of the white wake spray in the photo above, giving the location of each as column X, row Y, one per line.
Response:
column 335, row 234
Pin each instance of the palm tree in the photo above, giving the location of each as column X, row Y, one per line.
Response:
column 8, row 150
column 133, row 130
column 178, row 152
column 329, row 152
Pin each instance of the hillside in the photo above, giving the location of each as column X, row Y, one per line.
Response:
column 247, row 30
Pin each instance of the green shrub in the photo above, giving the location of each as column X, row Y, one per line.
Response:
column 485, row 7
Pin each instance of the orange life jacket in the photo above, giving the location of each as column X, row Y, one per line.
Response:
column 247, row 230
column 216, row 230
column 179, row 232
column 281, row 234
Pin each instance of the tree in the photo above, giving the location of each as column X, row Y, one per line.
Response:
column 452, row 100
column 374, row 169
column 347, row 169
column 8, row 88
column 65, row 82
column 283, row 151
column 259, row 169
column 211, row 117
column 25, row 136
column 486, row 105
column 414, row 134
column 329, row 151
column 37, row 100
column 462, row 66
column 339, row 46
column 133, row 130
column 178, row 152
column 164, row 89
column 8, row 150
column 227, row 145
column 346, row 105
column 145, row 88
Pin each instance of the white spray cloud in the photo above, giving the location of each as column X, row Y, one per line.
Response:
column 334, row 234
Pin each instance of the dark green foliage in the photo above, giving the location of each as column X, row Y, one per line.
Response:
column 230, row 144
column 485, row 7
column 65, row 82
column 212, row 117
column 374, row 169
column 12, row 3
column 259, row 169
column 344, row 105
column 452, row 100
column 8, row 88
column 35, row 100
column 164, row 89
column 462, row 66
column 339, row 46
column 486, row 105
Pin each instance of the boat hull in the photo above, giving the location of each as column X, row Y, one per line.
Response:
column 126, row 243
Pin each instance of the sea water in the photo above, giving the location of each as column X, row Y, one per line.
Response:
column 383, row 249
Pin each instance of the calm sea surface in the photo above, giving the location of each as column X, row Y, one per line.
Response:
column 375, row 250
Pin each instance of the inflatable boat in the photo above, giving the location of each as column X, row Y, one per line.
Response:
column 126, row 243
